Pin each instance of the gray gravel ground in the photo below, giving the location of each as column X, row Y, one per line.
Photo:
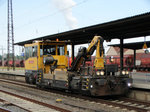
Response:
column 70, row 103
column 11, row 107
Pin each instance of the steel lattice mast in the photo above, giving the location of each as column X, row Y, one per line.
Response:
column 10, row 47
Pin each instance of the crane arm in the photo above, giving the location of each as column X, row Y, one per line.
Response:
column 99, row 61
column 83, row 54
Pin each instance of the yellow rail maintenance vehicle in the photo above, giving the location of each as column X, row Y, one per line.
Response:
column 46, row 60
column 46, row 65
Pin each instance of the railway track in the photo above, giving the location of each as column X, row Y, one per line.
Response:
column 52, row 94
column 4, row 110
column 132, row 102
column 129, row 105
column 37, row 102
column 5, row 104
column 122, row 103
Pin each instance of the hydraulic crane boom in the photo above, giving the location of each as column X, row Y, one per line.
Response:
column 83, row 54
column 99, row 61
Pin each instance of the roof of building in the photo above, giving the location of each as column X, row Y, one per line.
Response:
column 129, row 27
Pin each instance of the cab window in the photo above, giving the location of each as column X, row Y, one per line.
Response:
column 26, row 53
column 30, row 51
column 34, row 51
column 47, row 50
column 60, row 50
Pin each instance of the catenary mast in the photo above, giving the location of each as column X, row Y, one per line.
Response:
column 10, row 47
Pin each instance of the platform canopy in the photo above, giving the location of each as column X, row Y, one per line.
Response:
column 134, row 45
column 129, row 27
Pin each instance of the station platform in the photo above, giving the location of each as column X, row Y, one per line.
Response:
column 18, row 74
column 139, row 94
column 11, row 71
column 141, row 79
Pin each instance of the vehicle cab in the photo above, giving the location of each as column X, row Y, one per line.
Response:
column 46, row 60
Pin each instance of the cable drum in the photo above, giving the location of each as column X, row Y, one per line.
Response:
column 48, row 60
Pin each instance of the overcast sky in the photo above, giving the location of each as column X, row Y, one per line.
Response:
column 36, row 18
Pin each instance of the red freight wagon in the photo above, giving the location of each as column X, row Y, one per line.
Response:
column 144, row 60
column 127, row 60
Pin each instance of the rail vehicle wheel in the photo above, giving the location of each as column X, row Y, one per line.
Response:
column 34, row 81
column 31, row 80
column 38, row 86
column 27, row 79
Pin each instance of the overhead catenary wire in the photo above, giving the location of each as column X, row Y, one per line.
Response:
column 45, row 17
column 52, row 14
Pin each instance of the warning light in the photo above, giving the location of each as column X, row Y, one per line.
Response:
column 144, row 46
column 57, row 39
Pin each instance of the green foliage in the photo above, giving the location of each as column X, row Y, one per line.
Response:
column 17, row 57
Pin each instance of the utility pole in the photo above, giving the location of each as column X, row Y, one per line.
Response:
column 10, row 48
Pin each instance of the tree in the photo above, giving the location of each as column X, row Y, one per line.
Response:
column 0, row 57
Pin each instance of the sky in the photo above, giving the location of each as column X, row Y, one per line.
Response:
column 36, row 18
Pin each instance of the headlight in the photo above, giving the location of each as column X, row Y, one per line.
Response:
column 98, row 73
column 112, row 59
column 123, row 72
column 102, row 73
column 91, row 86
column 127, row 72
column 129, row 84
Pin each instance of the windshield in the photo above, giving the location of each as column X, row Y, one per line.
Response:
column 47, row 50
